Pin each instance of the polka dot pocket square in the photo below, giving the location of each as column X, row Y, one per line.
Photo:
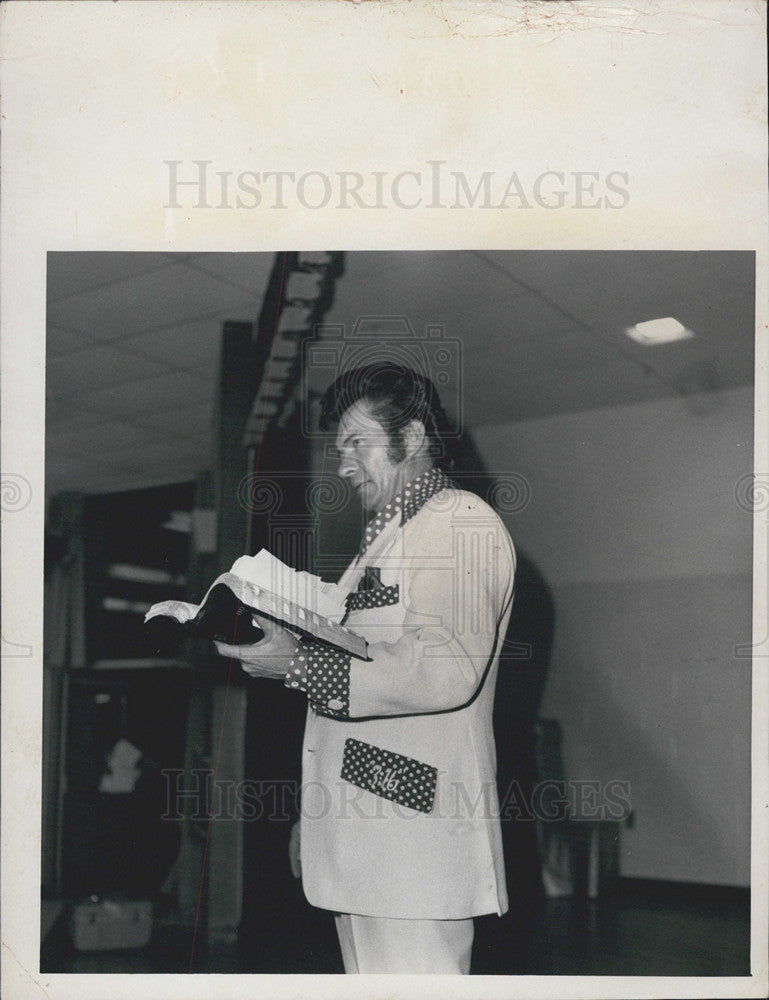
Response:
column 401, row 779
column 379, row 597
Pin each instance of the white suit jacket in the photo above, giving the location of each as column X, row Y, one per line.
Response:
column 399, row 809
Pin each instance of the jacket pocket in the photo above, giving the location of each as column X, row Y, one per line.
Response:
column 392, row 776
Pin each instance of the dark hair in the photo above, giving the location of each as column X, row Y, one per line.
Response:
column 396, row 395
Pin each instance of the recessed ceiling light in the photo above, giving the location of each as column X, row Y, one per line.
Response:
column 659, row 331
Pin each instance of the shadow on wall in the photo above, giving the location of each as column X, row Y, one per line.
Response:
column 520, row 687
column 529, row 640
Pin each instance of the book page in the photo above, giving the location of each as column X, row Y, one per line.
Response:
column 299, row 587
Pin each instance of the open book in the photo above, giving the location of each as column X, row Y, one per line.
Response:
column 300, row 601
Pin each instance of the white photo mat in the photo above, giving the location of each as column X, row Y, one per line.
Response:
column 651, row 117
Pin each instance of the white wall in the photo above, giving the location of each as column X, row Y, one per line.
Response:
column 634, row 524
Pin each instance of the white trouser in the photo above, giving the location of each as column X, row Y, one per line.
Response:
column 385, row 944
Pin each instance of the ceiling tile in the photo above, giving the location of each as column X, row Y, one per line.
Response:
column 97, row 438
column 58, row 410
column 75, row 420
column 156, row 299
column 187, row 345
column 155, row 451
column 538, row 333
column 160, row 455
column 70, row 273
column 67, row 472
column 190, row 421
column 458, row 292
column 564, row 394
column 97, row 368
column 168, row 392
column 609, row 290
column 60, row 342
column 249, row 270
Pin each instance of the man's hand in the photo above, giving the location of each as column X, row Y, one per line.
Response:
column 268, row 658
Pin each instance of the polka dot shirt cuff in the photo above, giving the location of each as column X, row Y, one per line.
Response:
column 324, row 673
column 297, row 669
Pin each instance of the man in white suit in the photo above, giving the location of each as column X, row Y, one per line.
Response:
column 400, row 833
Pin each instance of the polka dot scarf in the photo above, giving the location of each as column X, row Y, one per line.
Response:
column 407, row 503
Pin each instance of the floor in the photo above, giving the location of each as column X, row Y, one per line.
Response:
column 622, row 937
column 666, row 933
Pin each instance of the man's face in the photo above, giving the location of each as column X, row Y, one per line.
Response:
column 362, row 444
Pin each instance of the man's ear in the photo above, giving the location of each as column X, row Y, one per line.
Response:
column 414, row 437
